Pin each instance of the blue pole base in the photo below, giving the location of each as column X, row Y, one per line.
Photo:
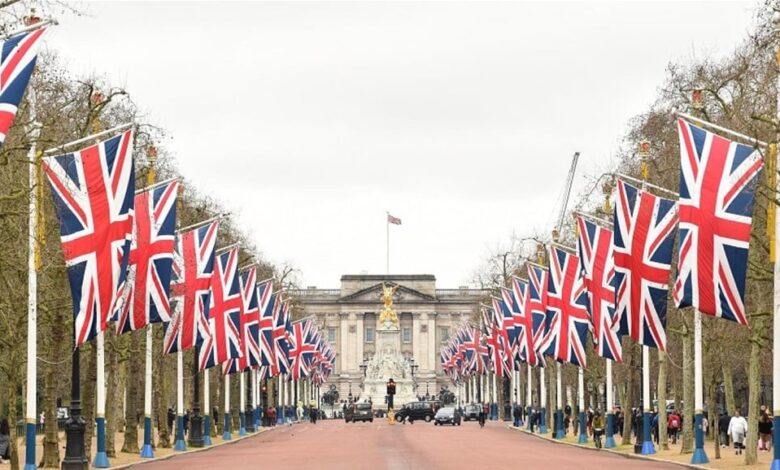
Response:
column 543, row 424
column 147, row 452
column 583, row 434
column 29, row 436
column 559, row 424
column 101, row 460
column 279, row 415
column 494, row 411
column 241, row 426
column 775, row 465
column 227, row 435
column 582, row 439
column 700, row 457
column 207, row 430
column 180, row 446
column 257, row 419
column 528, row 417
column 648, row 448
column 609, row 442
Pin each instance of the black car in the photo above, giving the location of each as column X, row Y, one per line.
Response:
column 447, row 415
column 471, row 412
column 417, row 410
column 359, row 412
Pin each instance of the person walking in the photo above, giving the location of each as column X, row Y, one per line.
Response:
column 598, row 428
column 673, row 426
column 5, row 441
column 764, row 432
column 738, row 428
column 482, row 415
column 723, row 426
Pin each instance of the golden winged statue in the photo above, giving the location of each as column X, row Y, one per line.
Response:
column 388, row 314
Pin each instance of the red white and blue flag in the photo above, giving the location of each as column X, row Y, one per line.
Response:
column 524, row 322
column 145, row 297
column 249, row 325
column 301, row 348
column 643, row 240
column 281, row 327
column 537, row 305
column 93, row 191
column 716, row 211
column 267, row 305
column 19, row 53
column 567, row 313
column 193, row 268
column 225, row 311
column 597, row 261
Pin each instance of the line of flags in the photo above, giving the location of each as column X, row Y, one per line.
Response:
column 615, row 283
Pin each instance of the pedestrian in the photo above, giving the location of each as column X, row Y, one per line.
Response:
column 5, row 441
column 705, row 424
column 516, row 415
column 171, row 419
column 673, row 426
column 598, row 428
column 482, row 416
column 299, row 410
column 654, row 427
column 619, row 418
column 723, row 426
column 186, row 421
column 764, row 431
column 738, row 428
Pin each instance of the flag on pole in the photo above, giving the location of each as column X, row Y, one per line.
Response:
column 643, row 240
column 193, row 267
column 266, row 305
column 249, row 321
column 19, row 54
column 93, row 191
column 393, row 220
column 567, row 314
column 537, row 305
column 301, row 349
column 597, row 261
column 524, row 322
column 717, row 188
column 225, row 311
column 280, row 335
column 146, row 292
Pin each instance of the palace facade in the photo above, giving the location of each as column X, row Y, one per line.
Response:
column 349, row 318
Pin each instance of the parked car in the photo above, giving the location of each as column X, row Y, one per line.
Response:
column 417, row 410
column 471, row 412
column 447, row 415
column 359, row 412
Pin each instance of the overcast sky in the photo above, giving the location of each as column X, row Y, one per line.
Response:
column 310, row 120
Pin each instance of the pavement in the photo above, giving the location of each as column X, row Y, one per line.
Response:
column 334, row 444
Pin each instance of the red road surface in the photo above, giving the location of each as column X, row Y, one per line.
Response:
column 334, row 444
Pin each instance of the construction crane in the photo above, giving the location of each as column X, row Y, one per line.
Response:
column 558, row 230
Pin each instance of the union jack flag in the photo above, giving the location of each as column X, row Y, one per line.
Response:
column 193, row 268
column 301, row 349
column 567, row 314
column 716, row 212
column 597, row 261
column 19, row 53
column 93, row 192
column 475, row 345
column 267, row 305
column 145, row 296
column 524, row 322
column 250, row 318
column 494, row 342
column 280, row 335
column 225, row 311
column 505, row 327
column 643, row 235
column 537, row 306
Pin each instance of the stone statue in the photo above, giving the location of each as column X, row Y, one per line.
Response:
column 388, row 315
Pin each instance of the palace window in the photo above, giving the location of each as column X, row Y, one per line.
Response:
column 331, row 335
column 369, row 334
column 407, row 334
column 444, row 333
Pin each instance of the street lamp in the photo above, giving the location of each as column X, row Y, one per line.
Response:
column 413, row 367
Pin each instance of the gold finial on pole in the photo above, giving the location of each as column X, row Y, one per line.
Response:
column 151, row 156
column 606, row 189
column 644, row 156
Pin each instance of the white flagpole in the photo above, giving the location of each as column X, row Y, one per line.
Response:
column 528, row 395
column 609, row 441
column 583, row 435
column 180, row 445
column 226, row 435
column 32, row 290
column 147, row 451
column 242, row 405
column 207, row 426
column 647, row 444
column 542, row 401
column 387, row 227
column 253, row 375
column 101, row 459
column 558, row 402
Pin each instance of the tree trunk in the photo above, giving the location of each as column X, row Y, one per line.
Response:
column 13, row 418
column 51, row 441
column 552, row 381
column 728, row 387
column 754, row 387
column 663, row 438
column 112, row 405
column 630, row 387
column 88, row 389
column 134, row 387
column 160, row 393
column 688, row 399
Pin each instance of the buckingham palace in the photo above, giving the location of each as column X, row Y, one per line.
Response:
column 427, row 316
